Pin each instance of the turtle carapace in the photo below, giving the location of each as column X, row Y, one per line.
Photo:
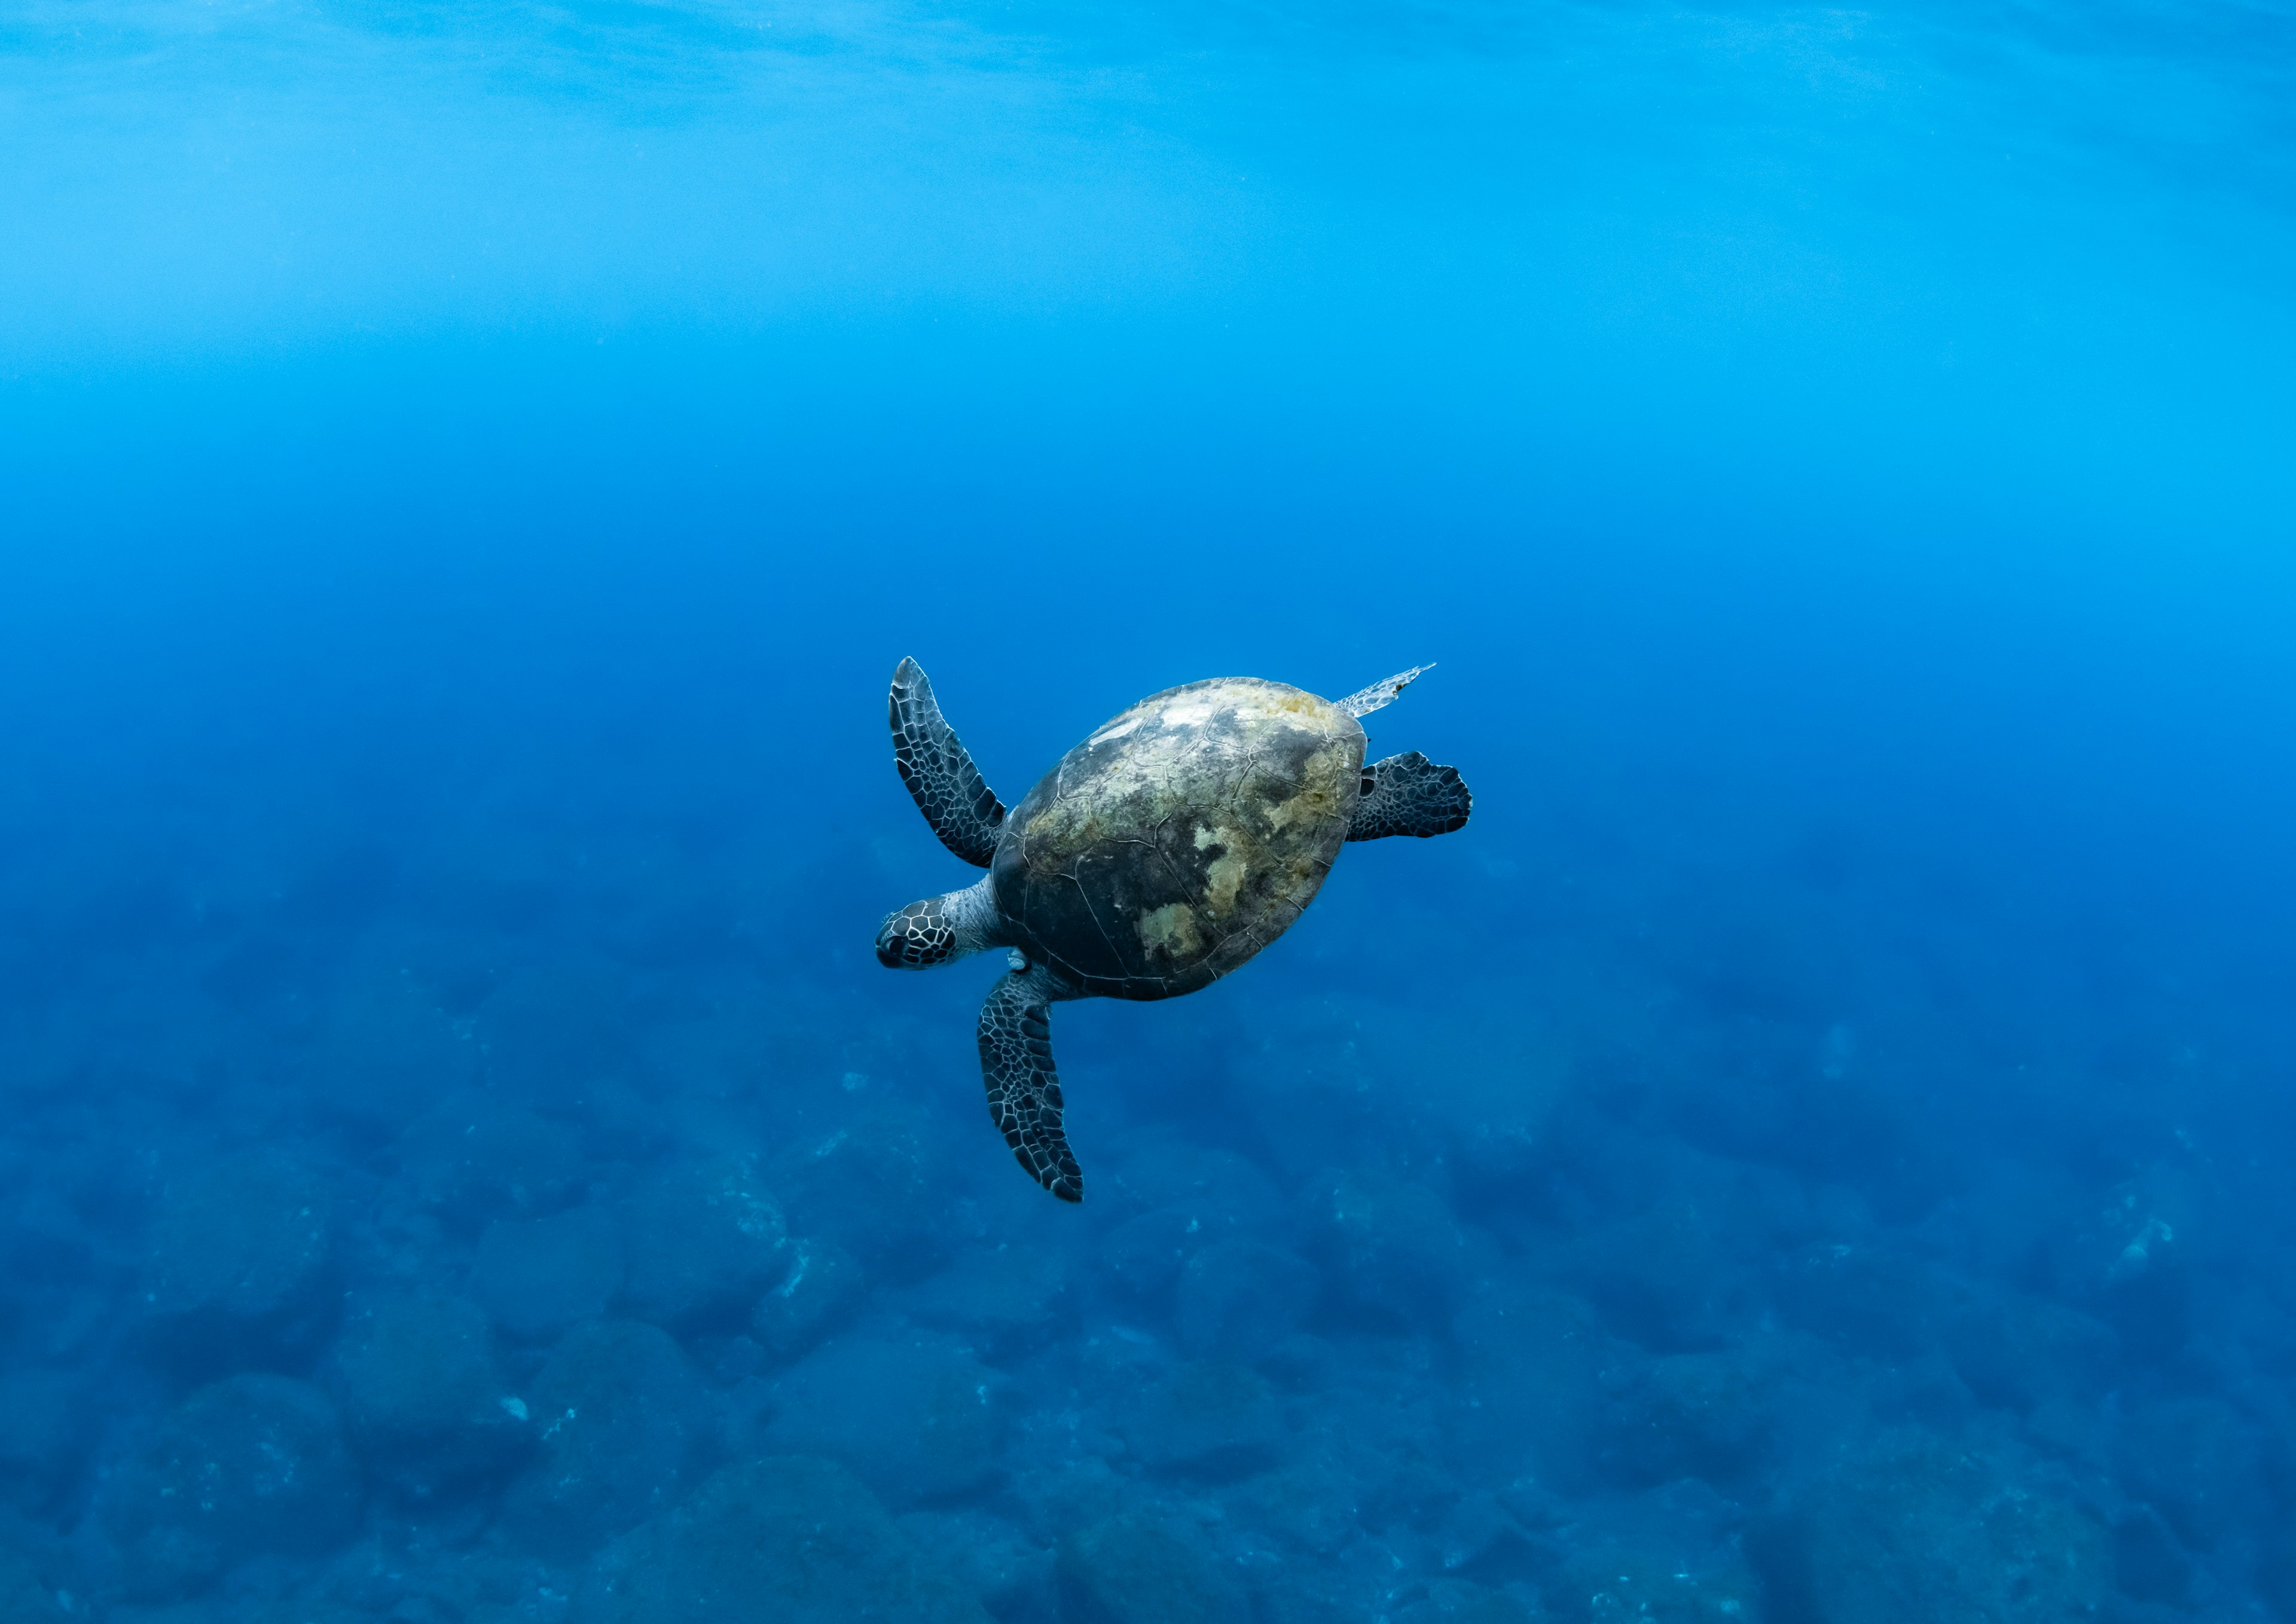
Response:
column 1177, row 840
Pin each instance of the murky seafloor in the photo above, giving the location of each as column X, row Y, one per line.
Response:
column 515, row 1204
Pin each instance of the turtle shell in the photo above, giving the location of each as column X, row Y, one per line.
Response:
column 1181, row 838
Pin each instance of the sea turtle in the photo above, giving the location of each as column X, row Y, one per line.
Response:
column 1181, row 838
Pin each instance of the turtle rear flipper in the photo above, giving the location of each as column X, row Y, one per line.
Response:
column 1408, row 794
column 947, row 787
column 1024, row 1091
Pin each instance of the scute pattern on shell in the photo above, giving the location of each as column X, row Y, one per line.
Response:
column 1181, row 838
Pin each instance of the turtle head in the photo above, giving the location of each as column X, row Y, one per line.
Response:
column 938, row 929
column 917, row 937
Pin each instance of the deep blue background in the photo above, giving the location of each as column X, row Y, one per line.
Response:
column 469, row 473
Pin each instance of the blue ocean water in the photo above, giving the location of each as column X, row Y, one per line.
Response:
column 1813, row 1149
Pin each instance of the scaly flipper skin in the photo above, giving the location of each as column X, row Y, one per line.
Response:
column 1380, row 695
column 1024, row 1091
column 947, row 787
column 1408, row 794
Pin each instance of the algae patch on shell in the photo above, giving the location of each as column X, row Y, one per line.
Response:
column 1170, row 928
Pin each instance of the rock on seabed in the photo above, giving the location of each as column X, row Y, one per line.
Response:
column 786, row 1539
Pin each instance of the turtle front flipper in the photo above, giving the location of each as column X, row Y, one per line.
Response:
column 1024, row 1091
column 1380, row 695
column 947, row 788
column 1408, row 794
